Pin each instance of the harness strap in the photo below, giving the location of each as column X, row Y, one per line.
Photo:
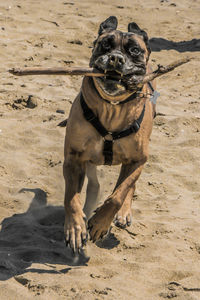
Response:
column 131, row 129
column 108, row 136
column 108, row 152
column 92, row 118
column 150, row 86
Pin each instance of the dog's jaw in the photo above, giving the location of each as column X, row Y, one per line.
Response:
column 109, row 88
column 112, row 90
column 115, row 82
column 111, row 84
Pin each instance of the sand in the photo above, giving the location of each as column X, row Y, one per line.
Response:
column 158, row 257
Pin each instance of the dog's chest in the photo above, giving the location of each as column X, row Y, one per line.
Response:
column 85, row 143
column 124, row 150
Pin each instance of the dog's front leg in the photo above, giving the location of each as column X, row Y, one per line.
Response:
column 123, row 217
column 75, row 226
column 100, row 222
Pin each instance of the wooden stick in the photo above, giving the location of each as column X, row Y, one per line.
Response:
column 93, row 72
column 56, row 71
column 161, row 70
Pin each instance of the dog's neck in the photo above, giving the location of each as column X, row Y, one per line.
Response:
column 114, row 117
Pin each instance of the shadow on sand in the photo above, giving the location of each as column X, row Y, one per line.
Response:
column 35, row 236
column 159, row 44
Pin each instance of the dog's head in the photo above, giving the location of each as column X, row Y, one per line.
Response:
column 123, row 56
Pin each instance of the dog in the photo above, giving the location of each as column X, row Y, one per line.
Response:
column 110, row 122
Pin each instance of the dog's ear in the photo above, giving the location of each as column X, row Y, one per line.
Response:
column 108, row 24
column 133, row 27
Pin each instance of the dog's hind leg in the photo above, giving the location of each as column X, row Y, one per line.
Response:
column 92, row 193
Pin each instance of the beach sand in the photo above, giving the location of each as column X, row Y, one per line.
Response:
column 158, row 257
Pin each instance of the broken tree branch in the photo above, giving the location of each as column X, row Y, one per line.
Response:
column 93, row 72
column 56, row 71
column 161, row 70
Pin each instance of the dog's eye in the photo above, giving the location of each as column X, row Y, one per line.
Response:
column 106, row 45
column 134, row 51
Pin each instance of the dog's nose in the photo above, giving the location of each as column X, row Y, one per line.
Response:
column 116, row 60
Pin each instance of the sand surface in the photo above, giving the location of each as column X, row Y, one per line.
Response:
column 158, row 257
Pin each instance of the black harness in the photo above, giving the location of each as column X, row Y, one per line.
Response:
column 110, row 137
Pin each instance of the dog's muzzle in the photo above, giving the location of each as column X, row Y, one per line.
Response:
column 116, row 62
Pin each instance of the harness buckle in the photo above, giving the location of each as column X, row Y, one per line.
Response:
column 108, row 137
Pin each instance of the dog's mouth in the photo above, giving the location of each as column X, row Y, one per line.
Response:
column 116, row 83
column 112, row 83
column 111, row 75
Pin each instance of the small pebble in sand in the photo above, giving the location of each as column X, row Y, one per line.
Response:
column 60, row 111
column 32, row 102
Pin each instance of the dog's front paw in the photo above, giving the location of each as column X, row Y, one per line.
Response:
column 99, row 223
column 97, row 231
column 75, row 232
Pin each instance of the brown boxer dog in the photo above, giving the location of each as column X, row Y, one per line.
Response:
column 110, row 123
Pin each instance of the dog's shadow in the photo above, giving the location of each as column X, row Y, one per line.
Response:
column 159, row 44
column 35, row 236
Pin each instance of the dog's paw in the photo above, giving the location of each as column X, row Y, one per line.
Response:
column 75, row 234
column 99, row 224
column 123, row 219
column 96, row 231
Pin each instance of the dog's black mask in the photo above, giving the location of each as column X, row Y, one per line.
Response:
column 123, row 56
